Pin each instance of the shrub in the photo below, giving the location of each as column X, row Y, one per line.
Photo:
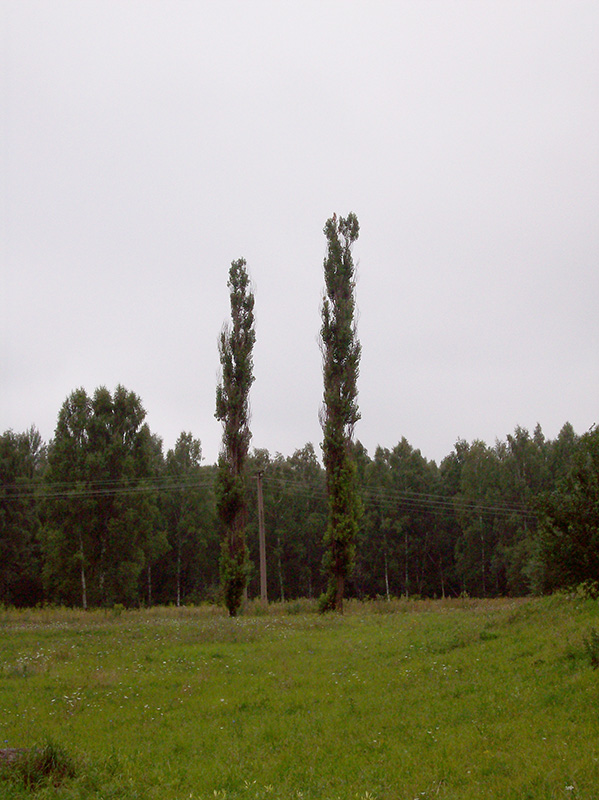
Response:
column 587, row 590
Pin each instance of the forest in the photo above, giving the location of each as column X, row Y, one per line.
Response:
column 101, row 515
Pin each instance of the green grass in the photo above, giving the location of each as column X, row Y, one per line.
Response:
column 394, row 701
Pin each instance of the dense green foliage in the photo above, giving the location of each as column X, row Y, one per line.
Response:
column 100, row 526
column 454, row 699
column 341, row 359
column 190, row 563
column 22, row 458
column 568, row 541
column 517, row 518
column 236, row 346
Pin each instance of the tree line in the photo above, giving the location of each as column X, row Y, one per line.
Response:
column 101, row 515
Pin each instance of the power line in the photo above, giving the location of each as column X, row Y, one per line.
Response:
column 416, row 501
column 385, row 498
column 82, row 489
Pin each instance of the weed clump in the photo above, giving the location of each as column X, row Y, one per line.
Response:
column 587, row 590
column 48, row 764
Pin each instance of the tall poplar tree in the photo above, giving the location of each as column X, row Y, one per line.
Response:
column 341, row 358
column 235, row 347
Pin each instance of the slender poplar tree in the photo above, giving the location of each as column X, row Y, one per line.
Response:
column 341, row 357
column 235, row 347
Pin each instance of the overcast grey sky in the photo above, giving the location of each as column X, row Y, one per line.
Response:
column 145, row 145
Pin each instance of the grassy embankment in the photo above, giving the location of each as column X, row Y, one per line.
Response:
column 450, row 699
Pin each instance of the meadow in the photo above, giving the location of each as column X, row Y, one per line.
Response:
column 399, row 700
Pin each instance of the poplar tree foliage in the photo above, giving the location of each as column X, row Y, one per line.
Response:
column 235, row 347
column 341, row 357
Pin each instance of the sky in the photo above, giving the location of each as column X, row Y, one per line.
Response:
column 146, row 144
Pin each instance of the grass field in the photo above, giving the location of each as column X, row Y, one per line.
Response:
column 393, row 701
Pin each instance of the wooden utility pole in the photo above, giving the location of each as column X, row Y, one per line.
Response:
column 262, row 540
